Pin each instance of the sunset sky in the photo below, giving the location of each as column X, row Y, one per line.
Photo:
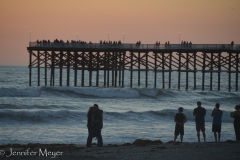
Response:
column 199, row 21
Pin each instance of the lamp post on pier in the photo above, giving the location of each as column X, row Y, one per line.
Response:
column 179, row 38
column 77, row 36
column 123, row 37
column 108, row 36
column 30, row 36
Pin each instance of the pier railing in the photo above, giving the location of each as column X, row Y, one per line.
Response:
column 134, row 46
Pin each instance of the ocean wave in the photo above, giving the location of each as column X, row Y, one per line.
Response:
column 98, row 92
column 75, row 116
column 167, row 114
column 39, row 116
column 20, row 92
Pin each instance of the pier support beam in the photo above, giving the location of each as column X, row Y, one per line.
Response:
column 139, row 69
column 170, row 71
column 119, row 69
column 211, row 73
column 60, row 67
column 123, row 68
column 146, row 76
column 219, row 69
column 229, row 71
column 83, row 68
column 179, row 70
column 131, row 71
column 237, row 69
column 195, row 71
column 187, row 70
column 75, row 68
column 90, row 69
column 46, row 67
column 155, row 70
column 105, row 68
column 113, row 67
column 97, row 74
column 30, row 68
column 203, row 70
column 108, row 68
column 163, row 73
column 38, row 55
column 52, row 79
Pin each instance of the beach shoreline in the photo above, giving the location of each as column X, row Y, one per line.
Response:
column 144, row 149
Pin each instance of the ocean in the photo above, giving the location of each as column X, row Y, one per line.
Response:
column 57, row 114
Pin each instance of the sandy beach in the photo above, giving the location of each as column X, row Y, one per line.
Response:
column 139, row 149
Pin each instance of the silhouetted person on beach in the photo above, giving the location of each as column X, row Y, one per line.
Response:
column 179, row 119
column 95, row 124
column 217, row 122
column 236, row 116
column 199, row 114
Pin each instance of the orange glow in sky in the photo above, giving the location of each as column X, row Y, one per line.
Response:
column 198, row 21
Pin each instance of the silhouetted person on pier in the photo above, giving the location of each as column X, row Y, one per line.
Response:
column 157, row 44
column 199, row 114
column 166, row 45
column 179, row 119
column 232, row 43
column 217, row 122
column 190, row 44
column 38, row 43
column 138, row 44
column 94, row 124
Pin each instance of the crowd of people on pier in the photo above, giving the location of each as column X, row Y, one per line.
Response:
column 74, row 42
column 95, row 123
column 138, row 43
column 110, row 42
column 184, row 44
column 56, row 41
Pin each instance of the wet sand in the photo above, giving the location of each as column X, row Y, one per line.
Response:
column 140, row 149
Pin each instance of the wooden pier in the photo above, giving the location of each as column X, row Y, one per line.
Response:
column 116, row 59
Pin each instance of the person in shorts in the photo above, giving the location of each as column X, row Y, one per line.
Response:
column 199, row 114
column 179, row 119
column 217, row 122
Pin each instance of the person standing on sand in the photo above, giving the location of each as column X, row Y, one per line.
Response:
column 199, row 114
column 179, row 119
column 236, row 116
column 217, row 122
column 95, row 124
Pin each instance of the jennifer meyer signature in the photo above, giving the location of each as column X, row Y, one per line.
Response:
column 41, row 153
